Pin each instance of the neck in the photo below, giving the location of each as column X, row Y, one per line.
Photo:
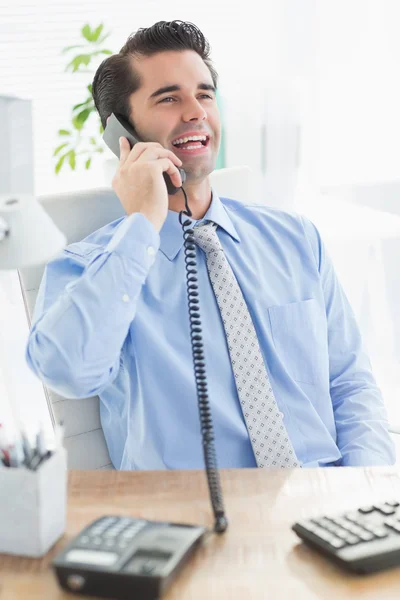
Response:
column 199, row 199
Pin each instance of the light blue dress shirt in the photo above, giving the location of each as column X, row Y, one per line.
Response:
column 111, row 319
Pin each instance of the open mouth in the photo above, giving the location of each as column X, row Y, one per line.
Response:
column 192, row 142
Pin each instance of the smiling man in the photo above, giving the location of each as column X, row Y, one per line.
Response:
column 288, row 379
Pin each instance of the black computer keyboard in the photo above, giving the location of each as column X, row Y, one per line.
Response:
column 363, row 540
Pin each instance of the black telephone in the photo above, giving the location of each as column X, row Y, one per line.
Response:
column 124, row 557
column 116, row 127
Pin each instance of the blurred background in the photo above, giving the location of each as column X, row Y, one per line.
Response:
column 309, row 96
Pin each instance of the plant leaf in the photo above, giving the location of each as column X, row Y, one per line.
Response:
column 81, row 104
column 64, row 132
column 72, row 159
column 59, row 148
column 84, row 115
column 87, row 33
column 79, row 119
column 89, row 87
column 76, row 123
column 93, row 141
column 87, row 163
column 81, row 59
column 105, row 51
column 60, row 164
column 97, row 32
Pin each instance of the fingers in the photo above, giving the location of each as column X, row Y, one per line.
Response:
column 154, row 152
column 146, row 151
column 168, row 166
column 124, row 149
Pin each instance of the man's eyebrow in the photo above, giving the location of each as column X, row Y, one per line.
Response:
column 177, row 88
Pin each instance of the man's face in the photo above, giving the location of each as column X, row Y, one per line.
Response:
column 188, row 109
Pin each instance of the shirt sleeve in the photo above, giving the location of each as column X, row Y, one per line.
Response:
column 360, row 415
column 86, row 302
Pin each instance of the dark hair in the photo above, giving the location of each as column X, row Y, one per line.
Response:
column 116, row 79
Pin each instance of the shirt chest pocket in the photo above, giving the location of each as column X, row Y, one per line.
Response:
column 299, row 335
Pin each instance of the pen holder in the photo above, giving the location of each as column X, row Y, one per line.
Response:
column 33, row 506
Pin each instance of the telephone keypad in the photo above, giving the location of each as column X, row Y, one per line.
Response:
column 111, row 534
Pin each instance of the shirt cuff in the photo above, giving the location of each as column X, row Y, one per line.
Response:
column 137, row 238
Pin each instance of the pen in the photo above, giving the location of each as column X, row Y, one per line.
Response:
column 38, row 460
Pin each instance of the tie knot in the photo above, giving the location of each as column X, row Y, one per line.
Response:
column 205, row 236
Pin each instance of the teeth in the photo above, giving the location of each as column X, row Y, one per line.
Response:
column 194, row 138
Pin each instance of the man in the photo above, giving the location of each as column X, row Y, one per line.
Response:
column 288, row 380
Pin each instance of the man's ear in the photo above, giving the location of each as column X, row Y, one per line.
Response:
column 108, row 118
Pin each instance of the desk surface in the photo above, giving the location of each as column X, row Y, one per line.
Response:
column 258, row 558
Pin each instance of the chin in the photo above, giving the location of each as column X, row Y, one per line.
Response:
column 196, row 174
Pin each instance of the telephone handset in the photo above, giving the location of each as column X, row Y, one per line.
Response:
column 124, row 557
column 116, row 127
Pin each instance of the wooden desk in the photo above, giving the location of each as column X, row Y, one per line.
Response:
column 258, row 558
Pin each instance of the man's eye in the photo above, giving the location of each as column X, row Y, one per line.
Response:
column 171, row 98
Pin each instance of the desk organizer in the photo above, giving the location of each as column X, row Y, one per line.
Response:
column 33, row 506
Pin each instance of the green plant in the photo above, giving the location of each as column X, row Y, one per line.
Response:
column 77, row 143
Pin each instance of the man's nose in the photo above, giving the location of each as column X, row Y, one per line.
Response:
column 194, row 112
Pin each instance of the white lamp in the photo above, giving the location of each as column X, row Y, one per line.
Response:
column 28, row 236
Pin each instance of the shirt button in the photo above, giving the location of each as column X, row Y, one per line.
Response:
column 125, row 298
column 151, row 251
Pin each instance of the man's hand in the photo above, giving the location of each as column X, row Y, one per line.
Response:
column 139, row 182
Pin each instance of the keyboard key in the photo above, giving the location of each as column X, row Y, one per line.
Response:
column 331, row 527
column 352, row 539
column 385, row 510
column 337, row 543
column 366, row 536
column 341, row 522
column 97, row 541
column 353, row 528
column 365, row 510
column 110, row 533
column 393, row 524
column 379, row 532
column 390, row 522
column 342, row 534
column 84, row 539
column 320, row 521
column 353, row 516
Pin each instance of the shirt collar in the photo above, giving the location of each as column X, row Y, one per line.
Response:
column 171, row 234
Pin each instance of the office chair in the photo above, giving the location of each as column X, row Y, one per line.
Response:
column 79, row 214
